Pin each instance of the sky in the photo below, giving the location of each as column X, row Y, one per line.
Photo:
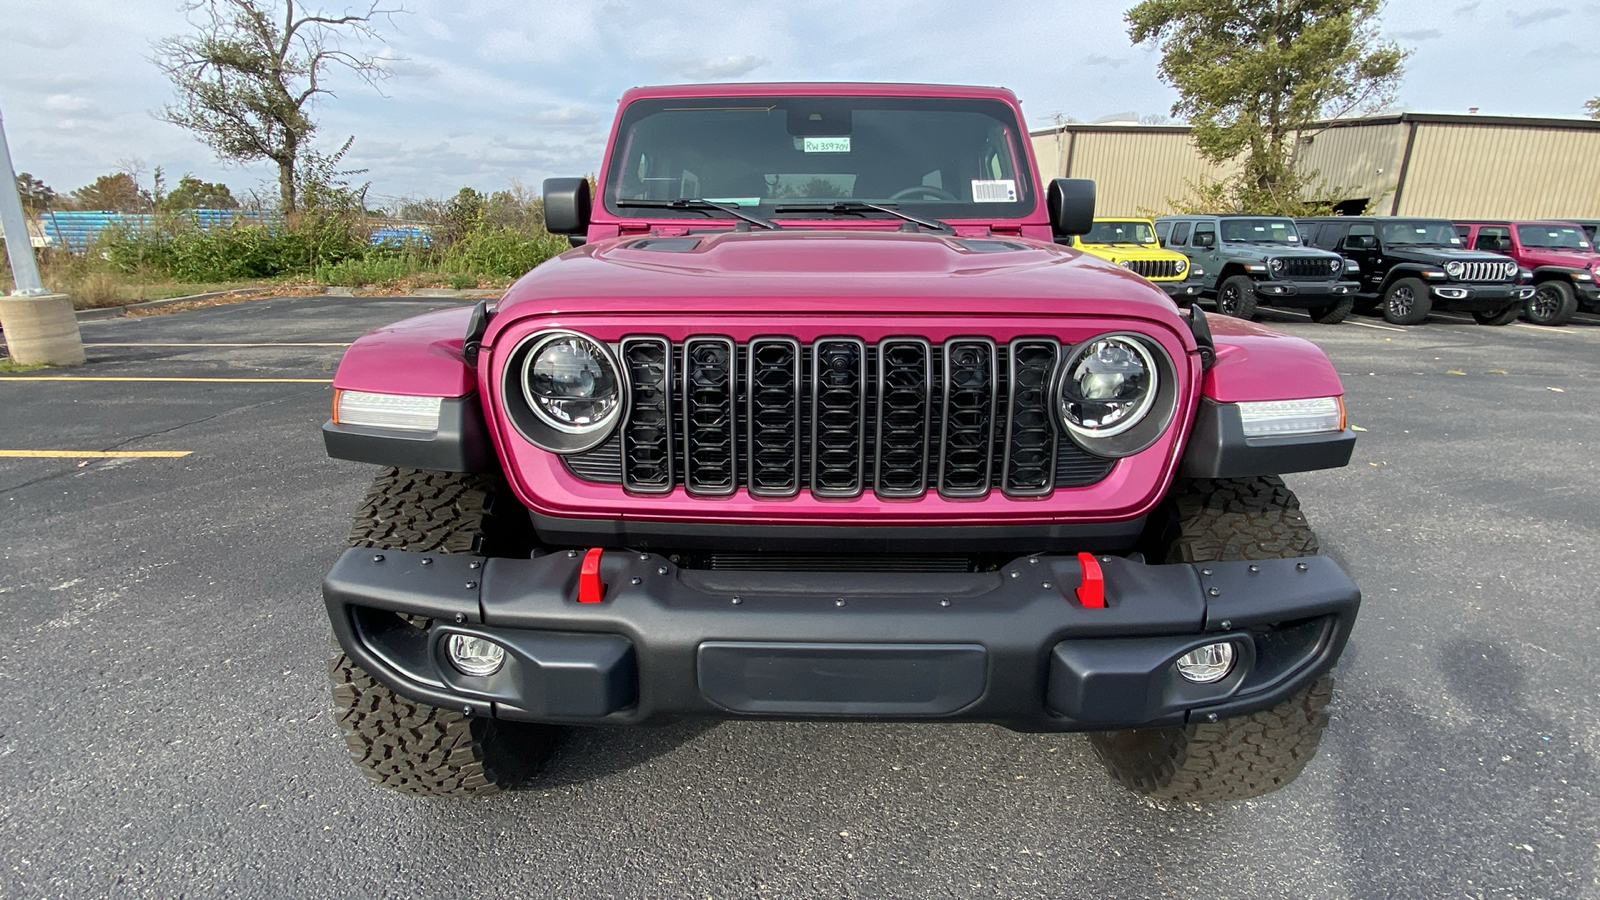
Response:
column 483, row 93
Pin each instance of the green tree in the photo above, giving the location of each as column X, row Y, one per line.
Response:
column 35, row 194
column 1252, row 75
column 1593, row 106
column 247, row 78
column 192, row 193
column 118, row 192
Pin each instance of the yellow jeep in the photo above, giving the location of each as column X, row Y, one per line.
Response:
column 1132, row 244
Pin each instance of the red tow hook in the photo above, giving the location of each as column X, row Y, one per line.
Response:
column 1092, row 592
column 590, row 588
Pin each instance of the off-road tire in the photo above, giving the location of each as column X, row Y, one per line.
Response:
column 1553, row 303
column 1503, row 317
column 399, row 743
column 1230, row 759
column 1407, row 302
column 1334, row 314
column 1245, row 756
column 1236, row 296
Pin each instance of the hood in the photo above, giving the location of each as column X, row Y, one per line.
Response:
column 816, row 271
column 1572, row 258
column 1443, row 255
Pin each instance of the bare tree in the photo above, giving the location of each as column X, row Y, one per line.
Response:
column 247, row 78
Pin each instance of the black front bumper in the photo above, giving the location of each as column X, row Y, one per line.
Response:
column 1465, row 297
column 1014, row 647
column 1180, row 290
column 1302, row 294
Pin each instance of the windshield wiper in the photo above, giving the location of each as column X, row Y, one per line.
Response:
column 703, row 206
column 855, row 207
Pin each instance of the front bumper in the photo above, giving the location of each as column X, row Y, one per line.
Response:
column 1179, row 290
column 1301, row 294
column 1014, row 647
column 1478, row 297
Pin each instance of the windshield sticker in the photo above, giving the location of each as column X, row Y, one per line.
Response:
column 999, row 191
column 735, row 201
column 827, row 145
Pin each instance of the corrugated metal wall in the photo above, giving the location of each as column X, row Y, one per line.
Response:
column 1490, row 171
column 1135, row 169
column 1360, row 161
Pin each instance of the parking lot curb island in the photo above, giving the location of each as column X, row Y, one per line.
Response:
column 41, row 329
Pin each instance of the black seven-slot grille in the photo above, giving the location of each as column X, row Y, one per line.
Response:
column 1156, row 268
column 839, row 417
column 1308, row 267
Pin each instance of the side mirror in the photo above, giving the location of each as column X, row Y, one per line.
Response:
column 1205, row 239
column 1361, row 241
column 1071, row 203
column 566, row 205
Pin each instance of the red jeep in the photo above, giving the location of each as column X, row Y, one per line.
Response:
column 1561, row 255
column 817, row 422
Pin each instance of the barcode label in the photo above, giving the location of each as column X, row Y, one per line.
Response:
column 999, row 191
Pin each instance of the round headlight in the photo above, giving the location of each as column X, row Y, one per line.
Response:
column 1107, row 387
column 1454, row 269
column 1277, row 264
column 1126, row 263
column 1181, row 265
column 571, row 383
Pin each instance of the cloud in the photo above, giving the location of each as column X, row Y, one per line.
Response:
column 65, row 103
column 1467, row 9
column 565, row 117
column 408, row 68
column 1521, row 20
column 717, row 68
column 1110, row 62
column 1420, row 34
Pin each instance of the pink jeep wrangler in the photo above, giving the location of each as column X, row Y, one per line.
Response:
column 1561, row 255
column 817, row 422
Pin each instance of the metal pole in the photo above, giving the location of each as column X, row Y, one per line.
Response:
column 19, row 246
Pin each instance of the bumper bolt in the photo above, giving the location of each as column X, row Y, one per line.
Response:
column 1214, row 591
column 1211, row 717
column 644, row 556
column 661, row 570
column 1046, row 585
column 635, row 580
column 427, row 560
column 1227, row 623
column 475, row 564
column 839, row 602
column 466, row 711
column 1255, row 568
column 1301, row 566
column 736, row 601
column 1033, row 560
column 944, row 602
column 471, row 585
column 1205, row 571
column 377, row 557
column 572, row 554
column 461, row 617
column 1015, row 573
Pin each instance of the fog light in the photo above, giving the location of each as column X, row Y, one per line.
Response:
column 481, row 656
column 1204, row 665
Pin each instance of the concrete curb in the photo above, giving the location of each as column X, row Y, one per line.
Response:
column 114, row 312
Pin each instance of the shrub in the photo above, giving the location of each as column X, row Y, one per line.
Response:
column 502, row 252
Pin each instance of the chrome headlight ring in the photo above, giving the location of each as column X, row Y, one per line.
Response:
column 1109, row 365
column 1454, row 268
column 528, row 398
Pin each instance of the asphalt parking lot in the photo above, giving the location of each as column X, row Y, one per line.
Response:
column 164, row 725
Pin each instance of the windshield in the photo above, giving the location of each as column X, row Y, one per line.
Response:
column 1260, row 231
column 1422, row 233
column 939, row 157
column 1556, row 237
column 1120, row 233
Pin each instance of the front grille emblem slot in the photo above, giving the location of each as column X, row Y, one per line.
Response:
column 709, row 390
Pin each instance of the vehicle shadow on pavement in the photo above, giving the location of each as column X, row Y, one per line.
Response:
column 1515, row 787
column 584, row 754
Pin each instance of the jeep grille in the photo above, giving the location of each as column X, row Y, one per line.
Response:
column 1495, row 270
column 1155, row 268
column 840, row 417
column 1307, row 268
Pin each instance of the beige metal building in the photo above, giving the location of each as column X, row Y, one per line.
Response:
column 1411, row 164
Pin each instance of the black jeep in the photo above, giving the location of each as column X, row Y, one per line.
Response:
column 1412, row 266
column 1252, row 261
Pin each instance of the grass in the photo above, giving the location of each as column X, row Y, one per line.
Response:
column 9, row 366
